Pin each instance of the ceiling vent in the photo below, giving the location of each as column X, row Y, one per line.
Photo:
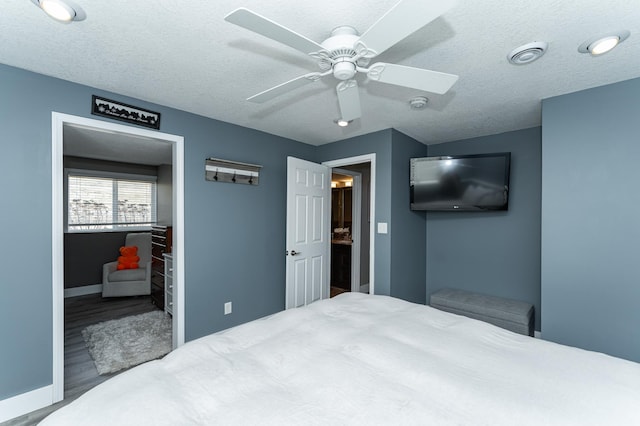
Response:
column 528, row 53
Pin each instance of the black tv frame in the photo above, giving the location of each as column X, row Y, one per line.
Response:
column 448, row 206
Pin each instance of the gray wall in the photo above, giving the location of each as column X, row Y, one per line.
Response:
column 590, row 228
column 408, row 232
column 86, row 252
column 234, row 236
column 25, row 256
column 494, row 253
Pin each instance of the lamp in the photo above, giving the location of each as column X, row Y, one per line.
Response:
column 64, row 11
column 604, row 43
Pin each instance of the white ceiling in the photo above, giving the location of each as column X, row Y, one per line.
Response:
column 184, row 55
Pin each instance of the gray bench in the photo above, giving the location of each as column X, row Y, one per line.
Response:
column 509, row 314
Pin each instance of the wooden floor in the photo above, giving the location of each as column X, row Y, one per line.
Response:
column 80, row 373
column 336, row 291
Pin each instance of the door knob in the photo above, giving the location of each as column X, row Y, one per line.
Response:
column 293, row 252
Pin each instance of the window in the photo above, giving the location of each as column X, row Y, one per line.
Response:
column 102, row 201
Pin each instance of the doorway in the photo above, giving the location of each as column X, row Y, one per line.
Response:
column 359, row 252
column 59, row 121
column 346, row 230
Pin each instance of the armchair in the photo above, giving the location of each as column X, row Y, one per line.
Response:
column 129, row 282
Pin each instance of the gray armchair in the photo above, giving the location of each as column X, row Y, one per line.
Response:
column 129, row 282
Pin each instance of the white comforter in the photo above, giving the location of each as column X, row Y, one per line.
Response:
column 366, row 360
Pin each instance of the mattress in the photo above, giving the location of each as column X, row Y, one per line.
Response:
column 366, row 360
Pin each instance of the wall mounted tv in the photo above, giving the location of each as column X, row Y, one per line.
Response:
column 461, row 182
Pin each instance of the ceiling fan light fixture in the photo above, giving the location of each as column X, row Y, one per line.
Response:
column 63, row 11
column 344, row 70
column 602, row 44
column 527, row 53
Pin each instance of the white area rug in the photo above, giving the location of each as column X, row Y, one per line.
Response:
column 123, row 343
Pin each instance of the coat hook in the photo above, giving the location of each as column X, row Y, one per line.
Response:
column 216, row 176
column 233, row 179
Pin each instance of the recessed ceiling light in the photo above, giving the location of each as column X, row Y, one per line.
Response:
column 604, row 43
column 61, row 10
column 342, row 123
column 527, row 53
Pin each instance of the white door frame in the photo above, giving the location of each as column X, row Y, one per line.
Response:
column 58, row 120
column 371, row 159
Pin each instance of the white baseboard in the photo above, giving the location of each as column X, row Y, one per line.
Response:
column 83, row 290
column 25, row 403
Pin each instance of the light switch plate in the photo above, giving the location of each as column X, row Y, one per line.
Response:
column 382, row 227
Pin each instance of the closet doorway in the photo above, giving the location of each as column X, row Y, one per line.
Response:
column 59, row 122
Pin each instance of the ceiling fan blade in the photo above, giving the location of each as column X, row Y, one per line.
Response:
column 349, row 100
column 266, row 27
column 403, row 19
column 283, row 88
column 414, row 78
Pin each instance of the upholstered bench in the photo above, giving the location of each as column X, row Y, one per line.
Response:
column 509, row 314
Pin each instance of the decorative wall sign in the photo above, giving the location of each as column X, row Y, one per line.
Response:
column 123, row 112
column 231, row 171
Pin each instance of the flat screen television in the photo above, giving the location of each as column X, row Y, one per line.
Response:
column 461, row 182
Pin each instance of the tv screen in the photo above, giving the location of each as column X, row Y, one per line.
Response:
column 461, row 182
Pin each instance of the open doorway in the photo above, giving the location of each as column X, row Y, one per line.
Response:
column 346, row 241
column 352, row 213
column 64, row 127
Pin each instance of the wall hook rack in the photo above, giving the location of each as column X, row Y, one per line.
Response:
column 231, row 171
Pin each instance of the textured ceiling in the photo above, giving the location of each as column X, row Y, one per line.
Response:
column 80, row 141
column 184, row 55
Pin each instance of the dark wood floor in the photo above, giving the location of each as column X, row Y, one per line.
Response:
column 336, row 291
column 80, row 373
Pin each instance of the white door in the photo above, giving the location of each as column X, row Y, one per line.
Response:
column 308, row 222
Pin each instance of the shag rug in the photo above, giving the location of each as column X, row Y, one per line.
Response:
column 118, row 344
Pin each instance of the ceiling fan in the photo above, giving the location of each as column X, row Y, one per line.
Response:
column 347, row 53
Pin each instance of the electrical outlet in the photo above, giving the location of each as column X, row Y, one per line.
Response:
column 227, row 308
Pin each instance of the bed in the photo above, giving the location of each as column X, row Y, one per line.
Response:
column 366, row 360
